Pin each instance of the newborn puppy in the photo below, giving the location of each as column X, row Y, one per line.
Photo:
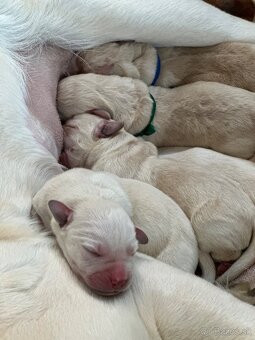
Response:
column 97, row 236
column 230, row 63
column 216, row 192
column 172, row 239
column 203, row 114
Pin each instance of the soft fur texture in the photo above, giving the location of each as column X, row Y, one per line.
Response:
column 203, row 114
column 230, row 63
column 39, row 295
column 95, row 234
column 215, row 191
column 40, row 298
column 170, row 234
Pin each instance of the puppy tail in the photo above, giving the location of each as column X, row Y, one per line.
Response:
column 244, row 262
column 207, row 266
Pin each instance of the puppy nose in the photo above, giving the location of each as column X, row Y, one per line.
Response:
column 119, row 284
column 112, row 280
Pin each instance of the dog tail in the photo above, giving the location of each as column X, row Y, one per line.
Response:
column 207, row 266
column 245, row 261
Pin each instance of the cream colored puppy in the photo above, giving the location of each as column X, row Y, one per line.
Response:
column 205, row 114
column 43, row 300
column 231, row 63
column 216, row 192
column 101, row 206
column 96, row 235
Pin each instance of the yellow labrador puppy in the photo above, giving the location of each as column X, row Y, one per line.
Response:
column 231, row 63
column 89, row 213
column 216, row 192
column 205, row 114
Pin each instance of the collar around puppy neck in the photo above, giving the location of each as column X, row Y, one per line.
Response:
column 150, row 128
column 157, row 73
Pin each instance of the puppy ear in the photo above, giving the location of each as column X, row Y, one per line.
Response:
column 107, row 128
column 61, row 212
column 141, row 237
column 100, row 113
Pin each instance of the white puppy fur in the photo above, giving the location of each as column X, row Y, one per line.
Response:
column 96, row 235
column 170, row 234
column 215, row 191
column 204, row 114
column 41, row 282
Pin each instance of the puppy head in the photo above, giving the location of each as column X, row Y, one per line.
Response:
column 82, row 134
column 99, row 241
column 99, row 59
column 104, row 58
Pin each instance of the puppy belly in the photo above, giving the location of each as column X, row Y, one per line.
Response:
column 43, row 68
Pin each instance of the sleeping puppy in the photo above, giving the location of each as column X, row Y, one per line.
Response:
column 96, row 235
column 230, row 63
column 89, row 213
column 203, row 114
column 31, row 141
column 215, row 191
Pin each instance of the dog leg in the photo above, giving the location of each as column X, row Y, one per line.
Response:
column 83, row 24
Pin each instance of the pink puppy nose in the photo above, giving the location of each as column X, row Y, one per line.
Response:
column 119, row 284
column 112, row 280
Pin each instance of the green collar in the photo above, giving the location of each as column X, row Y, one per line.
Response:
column 150, row 128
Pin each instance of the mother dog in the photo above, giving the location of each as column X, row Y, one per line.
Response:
column 32, row 33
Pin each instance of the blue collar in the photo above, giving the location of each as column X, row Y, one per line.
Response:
column 157, row 73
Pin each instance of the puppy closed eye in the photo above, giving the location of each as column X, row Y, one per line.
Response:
column 72, row 125
column 93, row 252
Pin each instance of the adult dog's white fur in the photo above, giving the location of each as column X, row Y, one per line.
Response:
column 204, row 114
column 38, row 294
column 40, row 298
column 215, row 191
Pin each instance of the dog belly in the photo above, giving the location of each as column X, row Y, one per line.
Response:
column 43, row 68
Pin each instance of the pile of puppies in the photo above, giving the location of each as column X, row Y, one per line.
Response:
column 182, row 207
